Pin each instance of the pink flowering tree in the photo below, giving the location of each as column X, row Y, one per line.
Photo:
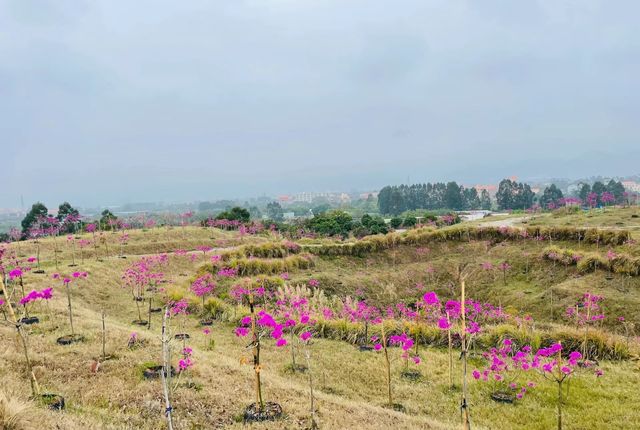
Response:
column 15, row 235
column 553, row 366
column 91, row 228
column 504, row 267
column 35, row 296
column 259, row 324
column 384, row 344
column 204, row 249
column 607, row 198
column 67, row 281
column 71, row 241
column 141, row 276
column 293, row 310
column 203, row 286
column 82, row 244
column 506, row 366
column 123, row 240
column 586, row 312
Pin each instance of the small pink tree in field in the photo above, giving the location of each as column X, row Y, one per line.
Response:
column 551, row 364
column 587, row 311
column 143, row 275
column 383, row 343
column 91, row 228
column 260, row 324
column 66, row 281
column 504, row 267
column 203, row 286
column 82, row 244
column 36, row 232
column 488, row 267
column 34, row 296
column 71, row 240
column 607, row 198
column 204, row 249
column 124, row 240
column 52, row 227
column 506, row 365
column 15, row 235
column 185, row 218
column 592, row 200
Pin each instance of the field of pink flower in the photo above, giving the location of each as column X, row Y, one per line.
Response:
column 209, row 328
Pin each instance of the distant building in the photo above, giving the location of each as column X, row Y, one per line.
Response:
column 365, row 196
column 491, row 189
column 289, row 215
column 631, row 186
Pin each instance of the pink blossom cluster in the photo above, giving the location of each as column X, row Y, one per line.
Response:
column 34, row 295
column 203, row 285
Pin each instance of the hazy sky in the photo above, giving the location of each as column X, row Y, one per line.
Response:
column 114, row 101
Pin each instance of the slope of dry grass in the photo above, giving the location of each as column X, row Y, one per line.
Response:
column 349, row 384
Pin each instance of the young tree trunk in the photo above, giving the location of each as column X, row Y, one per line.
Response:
column 70, row 310
column 35, row 389
column 256, row 355
column 307, row 355
column 95, row 245
column 387, row 364
column 466, row 424
column 55, row 250
column 560, row 405
column 149, row 321
column 450, row 351
column 104, row 332
column 166, row 371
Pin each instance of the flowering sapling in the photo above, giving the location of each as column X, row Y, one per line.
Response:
column 209, row 342
column 71, row 240
column 505, row 267
column 553, row 367
column 124, row 240
column 506, row 364
column 204, row 249
column 202, row 286
column 382, row 344
column 66, row 281
column 82, row 243
column 259, row 324
column 586, row 312
column 91, row 228
column 35, row 389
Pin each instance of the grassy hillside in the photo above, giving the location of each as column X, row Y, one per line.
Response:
column 349, row 384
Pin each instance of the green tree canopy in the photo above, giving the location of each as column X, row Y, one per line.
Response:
column 38, row 210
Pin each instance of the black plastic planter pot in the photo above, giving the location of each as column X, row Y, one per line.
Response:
column 53, row 401
column 411, row 375
column 140, row 322
column 503, row 397
column 156, row 310
column 155, row 372
column 29, row 320
column 39, row 271
column 206, row 322
column 69, row 339
column 139, row 299
column 270, row 412
column 182, row 336
column 365, row 348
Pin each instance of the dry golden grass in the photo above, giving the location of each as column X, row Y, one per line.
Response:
column 349, row 383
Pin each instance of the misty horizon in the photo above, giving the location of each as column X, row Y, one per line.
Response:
column 104, row 103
